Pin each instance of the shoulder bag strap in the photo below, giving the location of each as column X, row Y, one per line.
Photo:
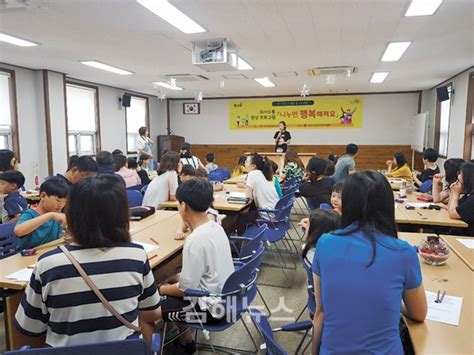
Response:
column 97, row 292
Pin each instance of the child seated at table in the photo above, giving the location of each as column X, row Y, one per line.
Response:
column 14, row 204
column 321, row 221
column 143, row 174
column 187, row 173
column 430, row 167
column 239, row 169
column 398, row 168
column 336, row 197
column 210, row 166
column 463, row 207
column 43, row 223
column 207, row 263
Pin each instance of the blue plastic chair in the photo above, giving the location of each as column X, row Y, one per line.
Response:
column 325, row 206
column 426, row 186
column 238, row 293
column 8, row 240
column 272, row 347
column 136, row 187
column 135, row 198
column 144, row 188
column 311, row 303
column 133, row 346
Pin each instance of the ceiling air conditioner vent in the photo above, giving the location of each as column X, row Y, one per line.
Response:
column 332, row 70
column 186, row 78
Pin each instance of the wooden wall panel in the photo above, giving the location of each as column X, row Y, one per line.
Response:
column 369, row 157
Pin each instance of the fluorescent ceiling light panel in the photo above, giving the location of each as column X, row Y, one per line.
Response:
column 265, row 82
column 167, row 86
column 423, row 7
column 16, row 41
column 99, row 65
column 394, row 51
column 241, row 64
column 379, row 77
column 172, row 15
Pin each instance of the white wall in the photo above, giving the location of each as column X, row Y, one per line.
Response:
column 32, row 126
column 457, row 116
column 386, row 120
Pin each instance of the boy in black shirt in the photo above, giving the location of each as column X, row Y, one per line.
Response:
column 431, row 168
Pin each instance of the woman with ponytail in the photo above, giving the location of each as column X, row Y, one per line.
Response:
column 317, row 188
column 259, row 185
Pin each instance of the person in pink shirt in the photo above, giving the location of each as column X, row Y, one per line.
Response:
column 130, row 176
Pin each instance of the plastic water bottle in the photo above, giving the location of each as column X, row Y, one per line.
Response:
column 403, row 190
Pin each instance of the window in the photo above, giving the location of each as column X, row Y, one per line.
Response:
column 82, row 119
column 136, row 116
column 7, row 118
column 443, row 112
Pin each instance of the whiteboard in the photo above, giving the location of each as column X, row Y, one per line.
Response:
column 418, row 132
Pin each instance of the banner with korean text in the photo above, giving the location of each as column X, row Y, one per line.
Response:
column 298, row 113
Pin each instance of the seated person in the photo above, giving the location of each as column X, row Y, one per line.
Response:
column 430, row 167
column 14, row 204
column 207, row 263
column 58, row 303
column 130, row 177
column 143, row 174
column 316, row 187
column 105, row 164
column 187, row 173
column 336, row 197
column 463, row 207
column 442, row 191
column 79, row 167
column 398, row 168
column 210, row 166
column 43, row 223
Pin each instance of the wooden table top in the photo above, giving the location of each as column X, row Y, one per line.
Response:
column 428, row 217
column 433, row 337
column 161, row 226
column 220, row 200
column 236, row 180
column 464, row 253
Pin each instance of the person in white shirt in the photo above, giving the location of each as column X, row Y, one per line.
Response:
column 163, row 187
column 187, row 157
column 259, row 186
column 207, row 263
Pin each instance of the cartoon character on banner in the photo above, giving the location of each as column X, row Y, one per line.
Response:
column 346, row 117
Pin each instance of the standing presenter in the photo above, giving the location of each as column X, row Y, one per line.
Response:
column 282, row 138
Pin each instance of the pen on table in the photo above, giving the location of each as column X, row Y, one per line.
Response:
column 155, row 241
column 437, row 297
column 152, row 257
column 442, row 297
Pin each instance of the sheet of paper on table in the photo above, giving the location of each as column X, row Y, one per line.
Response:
column 449, row 311
column 468, row 243
column 147, row 246
column 21, row 275
column 418, row 204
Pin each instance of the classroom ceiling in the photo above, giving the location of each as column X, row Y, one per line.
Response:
column 274, row 36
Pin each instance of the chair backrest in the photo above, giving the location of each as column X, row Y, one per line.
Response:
column 8, row 240
column 310, row 288
column 220, row 174
column 283, row 201
column 325, row 206
column 310, row 204
column 426, row 186
column 136, row 187
column 129, row 346
column 250, row 246
column 242, row 284
column 135, row 198
column 263, row 326
column 143, row 189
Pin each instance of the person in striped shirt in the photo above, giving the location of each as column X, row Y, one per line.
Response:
column 58, row 302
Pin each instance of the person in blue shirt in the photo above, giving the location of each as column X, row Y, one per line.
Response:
column 362, row 273
column 14, row 204
column 43, row 223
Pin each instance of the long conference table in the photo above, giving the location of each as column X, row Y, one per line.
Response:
column 161, row 226
column 457, row 279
